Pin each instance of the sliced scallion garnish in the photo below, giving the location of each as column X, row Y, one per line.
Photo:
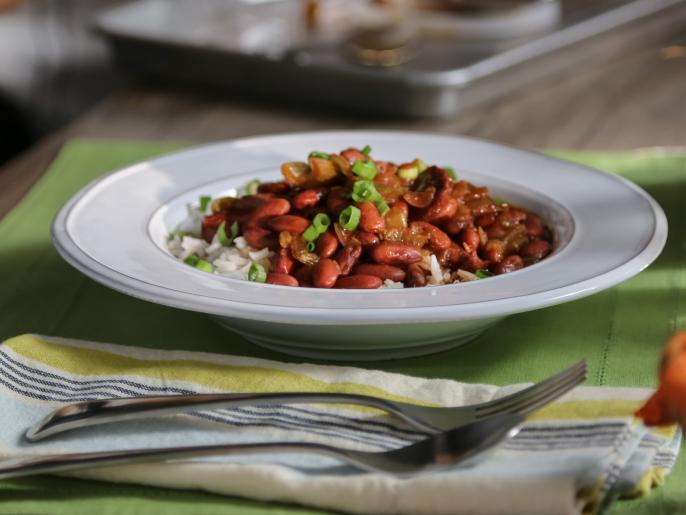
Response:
column 321, row 222
column 321, row 155
column 191, row 260
column 364, row 191
column 365, row 169
column 310, row 234
column 198, row 263
column 482, row 273
column 349, row 218
column 204, row 202
column 451, row 172
column 311, row 246
column 381, row 205
column 204, row 266
column 366, row 150
column 224, row 238
column 257, row 273
column 499, row 201
column 408, row 172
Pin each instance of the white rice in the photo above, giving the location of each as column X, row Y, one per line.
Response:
column 436, row 272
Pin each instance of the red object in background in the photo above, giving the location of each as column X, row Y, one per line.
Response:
column 668, row 404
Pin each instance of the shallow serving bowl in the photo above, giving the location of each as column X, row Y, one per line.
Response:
column 114, row 230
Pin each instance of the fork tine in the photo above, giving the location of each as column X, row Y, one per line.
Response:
column 543, row 394
column 524, row 405
column 535, row 404
column 532, row 397
column 542, row 402
column 505, row 402
column 529, row 405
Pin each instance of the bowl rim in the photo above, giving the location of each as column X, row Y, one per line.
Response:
column 78, row 258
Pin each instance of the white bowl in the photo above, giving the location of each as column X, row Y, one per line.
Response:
column 114, row 230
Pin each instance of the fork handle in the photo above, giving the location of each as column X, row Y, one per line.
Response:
column 64, row 462
column 92, row 413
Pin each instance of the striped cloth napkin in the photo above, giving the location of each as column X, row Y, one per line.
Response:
column 571, row 457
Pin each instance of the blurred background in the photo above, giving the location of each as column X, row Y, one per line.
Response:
column 387, row 59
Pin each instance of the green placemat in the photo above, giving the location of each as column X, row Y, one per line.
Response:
column 620, row 331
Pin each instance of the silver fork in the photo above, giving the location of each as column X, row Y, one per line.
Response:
column 425, row 418
column 461, row 445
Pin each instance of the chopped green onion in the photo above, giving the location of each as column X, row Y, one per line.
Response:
column 482, row 273
column 408, row 172
column 250, row 188
column 499, row 200
column 311, row 233
column 191, row 260
column 257, row 273
column 321, row 222
column 451, row 172
column 321, row 155
column 204, row 202
column 198, row 263
column 364, row 191
column 311, row 246
column 204, row 266
column 421, row 165
column 349, row 218
column 366, row 150
column 382, row 206
column 365, row 169
column 225, row 239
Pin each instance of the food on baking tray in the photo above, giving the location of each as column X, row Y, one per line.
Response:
column 347, row 220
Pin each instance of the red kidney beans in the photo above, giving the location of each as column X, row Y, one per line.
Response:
column 370, row 218
column 290, row 223
column 352, row 155
column 452, row 256
column 325, row 273
column 308, row 198
column 509, row 264
column 470, row 238
column 336, row 201
column 327, row 244
column 536, row 250
column 392, row 253
column 430, row 214
column 494, row 251
column 347, row 258
column 384, row 272
column 534, row 226
column 415, row 277
column 283, row 262
column 281, row 279
column 359, row 282
column 303, row 275
column 276, row 188
column 442, row 209
column 438, row 240
column 367, row 239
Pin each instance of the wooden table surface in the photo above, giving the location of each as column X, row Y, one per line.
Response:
column 635, row 99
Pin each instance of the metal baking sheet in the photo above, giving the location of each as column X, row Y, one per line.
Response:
column 197, row 42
